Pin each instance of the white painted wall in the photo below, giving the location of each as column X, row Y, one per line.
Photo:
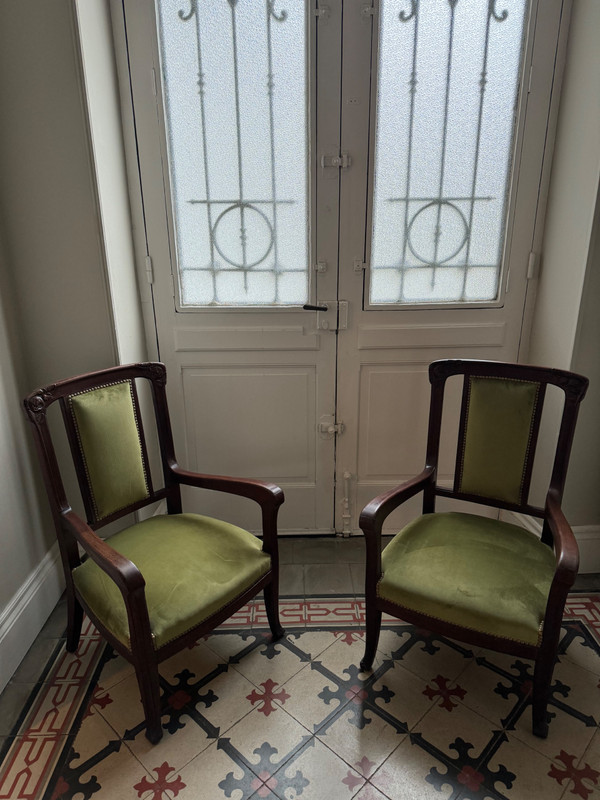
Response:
column 56, row 317
column 565, row 331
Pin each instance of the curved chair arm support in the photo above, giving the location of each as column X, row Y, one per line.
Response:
column 374, row 514
column 268, row 495
column 265, row 494
column 565, row 544
column 120, row 569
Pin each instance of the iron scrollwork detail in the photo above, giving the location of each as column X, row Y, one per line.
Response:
column 493, row 13
column 405, row 16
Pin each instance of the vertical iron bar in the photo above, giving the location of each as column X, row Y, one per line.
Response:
column 413, row 90
column 482, row 85
column 238, row 122
column 205, row 147
column 270, row 90
column 437, row 232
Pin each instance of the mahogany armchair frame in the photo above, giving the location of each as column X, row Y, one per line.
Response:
column 556, row 532
column 74, row 532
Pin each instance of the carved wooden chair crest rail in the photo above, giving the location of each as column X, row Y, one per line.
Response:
column 155, row 587
column 479, row 580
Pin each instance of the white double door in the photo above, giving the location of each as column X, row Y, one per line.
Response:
column 421, row 166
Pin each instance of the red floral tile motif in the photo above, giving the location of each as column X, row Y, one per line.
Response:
column 263, row 784
column 99, row 699
column 365, row 766
column 352, row 781
column 569, row 772
column 444, row 691
column 160, row 786
column 267, row 697
column 470, row 778
column 349, row 637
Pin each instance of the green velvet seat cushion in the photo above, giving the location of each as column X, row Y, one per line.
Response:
column 471, row 571
column 192, row 565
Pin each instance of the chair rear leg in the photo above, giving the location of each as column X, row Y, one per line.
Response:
column 272, row 607
column 373, row 623
column 542, row 678
column 147, row 678
column 74, row 622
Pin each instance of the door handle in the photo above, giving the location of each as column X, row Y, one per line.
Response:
column 308, row 307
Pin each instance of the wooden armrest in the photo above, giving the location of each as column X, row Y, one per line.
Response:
column 122, row 571
column 565, row 544
column 265, row 494
column 374, row 513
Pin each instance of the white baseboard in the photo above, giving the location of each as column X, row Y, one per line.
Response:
column 587, row 536
column 25, row 615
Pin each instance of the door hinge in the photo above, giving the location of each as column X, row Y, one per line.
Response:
column 322, row 12
column 532, row 266
column 368, row 11
column 332, row 428
column 343, row 161
column 321, row 266
column 359, row 265
column 149, row 270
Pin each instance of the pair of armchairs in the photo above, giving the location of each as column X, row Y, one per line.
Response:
column 158, row 585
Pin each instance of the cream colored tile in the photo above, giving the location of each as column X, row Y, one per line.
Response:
column 585, row 657
column 276, row 662
column 366, row 748
column 211, row 773
column 441, row 728
column 114, row 671
column 401, row 694
column 426, row 659
column 317, row 773
column 369, row 792
column 305, row 703
column 566, row 731
column 199, row 660
column 230, row 645
column 117, row 776
column 531, row 771
column 266, row 742
column 404, row 774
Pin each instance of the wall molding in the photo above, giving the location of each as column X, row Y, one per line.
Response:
column 24, row 616
column 587, row 536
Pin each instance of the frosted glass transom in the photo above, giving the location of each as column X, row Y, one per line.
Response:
column 235, row 91
column 447, row 94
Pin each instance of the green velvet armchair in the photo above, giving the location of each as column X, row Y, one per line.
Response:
column 158, row 585
column 479, row 580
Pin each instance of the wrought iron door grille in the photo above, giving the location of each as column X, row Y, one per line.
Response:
column 443, row 148
column 235, row 79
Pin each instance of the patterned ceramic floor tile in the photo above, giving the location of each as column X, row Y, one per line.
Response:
column 246, row 719
column 316, row 773
column 530, row 774
column 361, row 738
column 406, row 772
column 369, row 792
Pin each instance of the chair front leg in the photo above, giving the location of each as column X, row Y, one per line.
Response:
column 373, row 627
column 74, row 621
column 147, row 678
column 271, row 593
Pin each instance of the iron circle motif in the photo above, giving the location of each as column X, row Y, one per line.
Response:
column 242, row 206
column 440, row 204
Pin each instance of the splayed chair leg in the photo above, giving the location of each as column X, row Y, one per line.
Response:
column 372, row 636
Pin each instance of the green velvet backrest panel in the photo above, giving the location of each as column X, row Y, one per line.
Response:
column 107, row 429
column 497, row 438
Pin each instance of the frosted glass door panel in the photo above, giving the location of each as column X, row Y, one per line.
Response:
column 447, row 93
column 235, row 83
